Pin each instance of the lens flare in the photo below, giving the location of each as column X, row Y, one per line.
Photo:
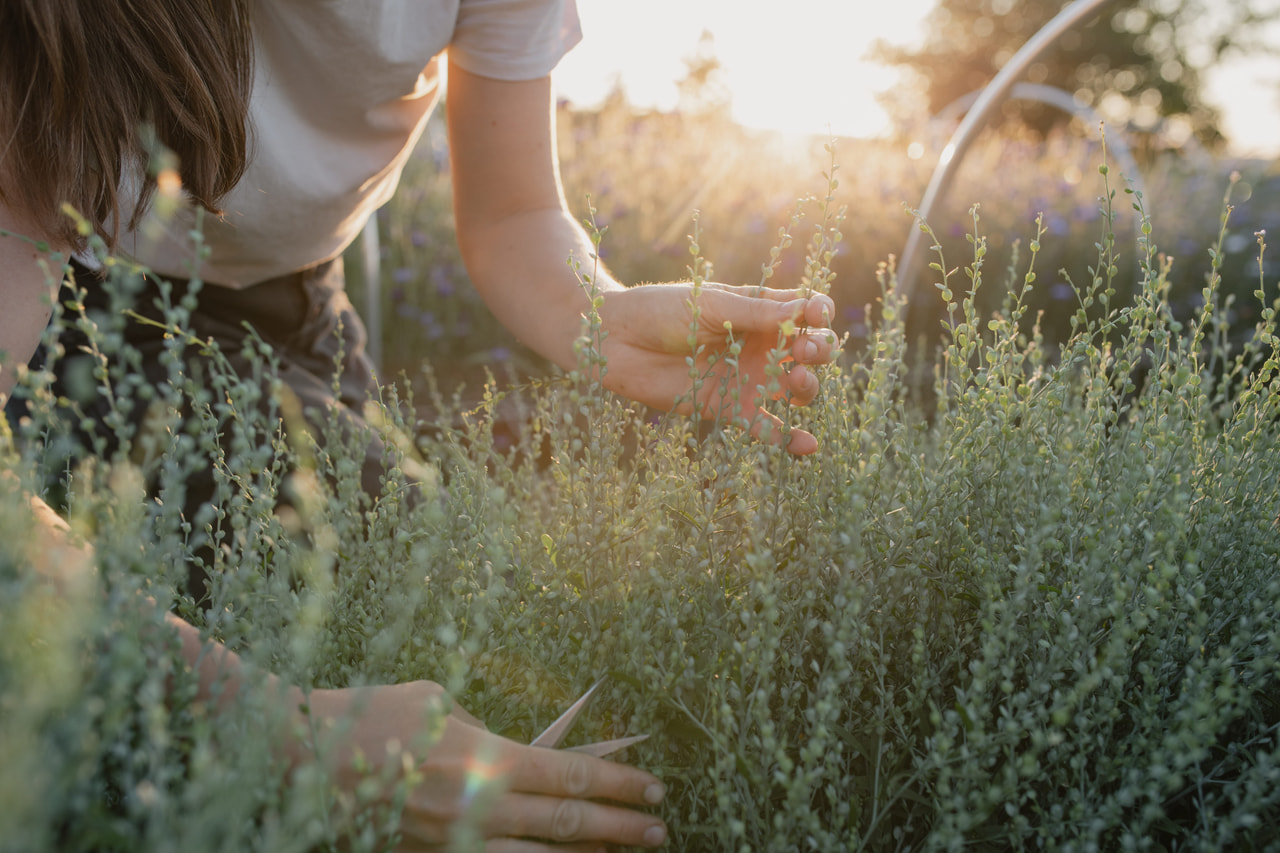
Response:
column 169, row 183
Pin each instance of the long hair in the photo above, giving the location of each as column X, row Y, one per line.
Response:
column 84, row 82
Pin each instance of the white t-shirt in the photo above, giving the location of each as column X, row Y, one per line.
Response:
column 342, row 90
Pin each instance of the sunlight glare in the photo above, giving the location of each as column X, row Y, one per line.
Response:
column 803, row 71
column 481, row 773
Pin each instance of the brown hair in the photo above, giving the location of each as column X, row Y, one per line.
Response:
column 81, row 80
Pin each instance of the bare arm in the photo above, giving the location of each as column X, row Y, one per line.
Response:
column 26, row 296
column 516, row 236
column 530, row 792
column 537, row 792
column 513, row 227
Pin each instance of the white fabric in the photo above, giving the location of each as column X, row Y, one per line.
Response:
column 342, row 90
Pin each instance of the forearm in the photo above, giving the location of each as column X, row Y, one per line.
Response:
column 520, row 265
column 220, row 674
column 68, row 567
column 514, row 230
column 65, row 565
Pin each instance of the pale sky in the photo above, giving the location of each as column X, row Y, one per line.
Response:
column 803, row 70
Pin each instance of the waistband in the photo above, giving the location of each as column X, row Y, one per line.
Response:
column 277, row 308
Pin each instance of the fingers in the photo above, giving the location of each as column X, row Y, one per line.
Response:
column 515, row 791
column 519, row 845
column 815, row 311
column 768, row 427
column 819, row 311
column 751, row 309
column 814, row 346
column 572, row 774
column 549, row 794
column 568, row 820
column 801, row 384
column 819, row 307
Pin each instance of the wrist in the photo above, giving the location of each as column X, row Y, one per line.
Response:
column 306, row 713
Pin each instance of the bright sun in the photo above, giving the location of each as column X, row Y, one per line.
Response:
column 800, row 71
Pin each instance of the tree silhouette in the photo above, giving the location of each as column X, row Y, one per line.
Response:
column 1140, row 62
column 702, row 88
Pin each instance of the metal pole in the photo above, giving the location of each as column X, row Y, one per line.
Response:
column 955, row 150
column 1117, row 147
column 371, row 255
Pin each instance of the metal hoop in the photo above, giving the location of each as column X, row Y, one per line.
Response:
column 962, row 139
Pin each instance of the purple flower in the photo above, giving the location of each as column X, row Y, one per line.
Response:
column 441, row 281
column 418, row 239
column 402, row 275
column 1062, row 292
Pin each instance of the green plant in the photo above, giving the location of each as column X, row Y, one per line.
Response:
column 1041, row 610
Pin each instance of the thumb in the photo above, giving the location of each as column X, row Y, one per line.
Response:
column 748, row 313
column 462, row 715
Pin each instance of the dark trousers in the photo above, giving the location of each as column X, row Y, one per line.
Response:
column 305, row 317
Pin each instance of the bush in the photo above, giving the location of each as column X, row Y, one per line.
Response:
column 1036, row 607
column 743, row 183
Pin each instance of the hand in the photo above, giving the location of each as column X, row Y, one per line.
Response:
column 503, row 791
column 647, row 345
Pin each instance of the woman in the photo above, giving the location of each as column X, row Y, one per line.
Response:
column 291, row 120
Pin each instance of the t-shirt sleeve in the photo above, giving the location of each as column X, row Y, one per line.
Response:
column 514, row 39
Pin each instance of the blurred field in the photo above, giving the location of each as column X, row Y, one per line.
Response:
column 647, row 173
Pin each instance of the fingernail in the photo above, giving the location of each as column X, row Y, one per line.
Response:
column 655, row 835
column 654, row 794
column 809, row 352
